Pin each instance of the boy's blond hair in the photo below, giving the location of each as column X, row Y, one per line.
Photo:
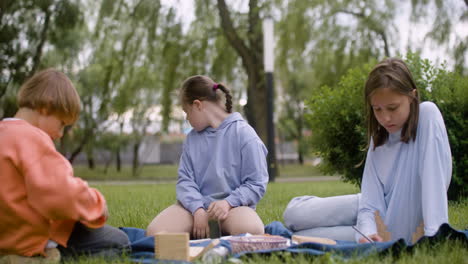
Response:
column 53, row 92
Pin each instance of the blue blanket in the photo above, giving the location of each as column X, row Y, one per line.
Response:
column 143, row 246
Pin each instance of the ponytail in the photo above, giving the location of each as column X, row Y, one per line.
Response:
column 227, row 93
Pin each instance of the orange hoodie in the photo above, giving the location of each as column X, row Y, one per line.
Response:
column 40, row 199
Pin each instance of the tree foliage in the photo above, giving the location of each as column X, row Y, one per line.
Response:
column 337, row 121
column 31, row 30
column 320, row 41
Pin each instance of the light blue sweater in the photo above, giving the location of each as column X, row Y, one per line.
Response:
column 228, row 162
column 407, row 182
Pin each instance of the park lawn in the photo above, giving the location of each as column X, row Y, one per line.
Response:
column 148, row 172
column 136, row 205
column 164, row 172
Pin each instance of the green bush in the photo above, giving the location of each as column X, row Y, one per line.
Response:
column 449, row 90
column 337, row 119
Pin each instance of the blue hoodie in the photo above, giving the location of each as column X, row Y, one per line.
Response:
column 228, row 162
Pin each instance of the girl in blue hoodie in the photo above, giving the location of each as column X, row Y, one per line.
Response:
column 222, row 170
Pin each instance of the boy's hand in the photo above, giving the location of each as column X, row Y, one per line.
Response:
column 99, row 221
column 200, row 224
column 219, row 210
column 373, row 237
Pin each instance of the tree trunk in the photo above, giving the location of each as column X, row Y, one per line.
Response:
column 300, row 140
column 84, row 141
column 251, row 53
column 40, row 46
column 118, row 160
column 108, row 162
column 90, row 158
column 135, row 162
column 257, row 102
column 63, row 141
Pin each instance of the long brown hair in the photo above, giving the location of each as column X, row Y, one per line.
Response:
column 203, row 88
column 394, row 74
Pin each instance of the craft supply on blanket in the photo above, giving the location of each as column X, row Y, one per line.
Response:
column 175, row 246
column 197, row 252
column 215, row 228
column 362, row 234
column 257, row 242
column 305, row 239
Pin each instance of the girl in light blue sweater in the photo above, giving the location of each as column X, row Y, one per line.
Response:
column 406, row 175
column 222, row 170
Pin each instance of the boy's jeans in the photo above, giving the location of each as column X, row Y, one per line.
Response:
column 107, row 242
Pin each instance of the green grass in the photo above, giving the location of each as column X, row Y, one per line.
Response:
column 150, row 172
column 136, row 205
column 297, row 170
column 169, row 172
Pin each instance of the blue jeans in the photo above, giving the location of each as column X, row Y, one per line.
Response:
column 330, row 217
column 107, row 242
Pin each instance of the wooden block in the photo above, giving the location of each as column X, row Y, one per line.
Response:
column 321, row 240
column 418, row 233
column 382, row 228
column 172, row 246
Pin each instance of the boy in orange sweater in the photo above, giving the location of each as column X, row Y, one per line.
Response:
column 42, row 204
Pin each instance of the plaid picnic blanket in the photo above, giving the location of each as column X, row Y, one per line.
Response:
column 143, row 246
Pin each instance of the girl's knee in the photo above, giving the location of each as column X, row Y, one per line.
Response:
column 256, row 229
column 244, row 220
column 152, row 228
column 242, row 228
column 173, row 219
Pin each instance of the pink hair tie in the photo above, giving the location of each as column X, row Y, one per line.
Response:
column 215, row 86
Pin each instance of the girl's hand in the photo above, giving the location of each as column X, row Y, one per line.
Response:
column 373, row 237
column 200, row 224
column 219, row 210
